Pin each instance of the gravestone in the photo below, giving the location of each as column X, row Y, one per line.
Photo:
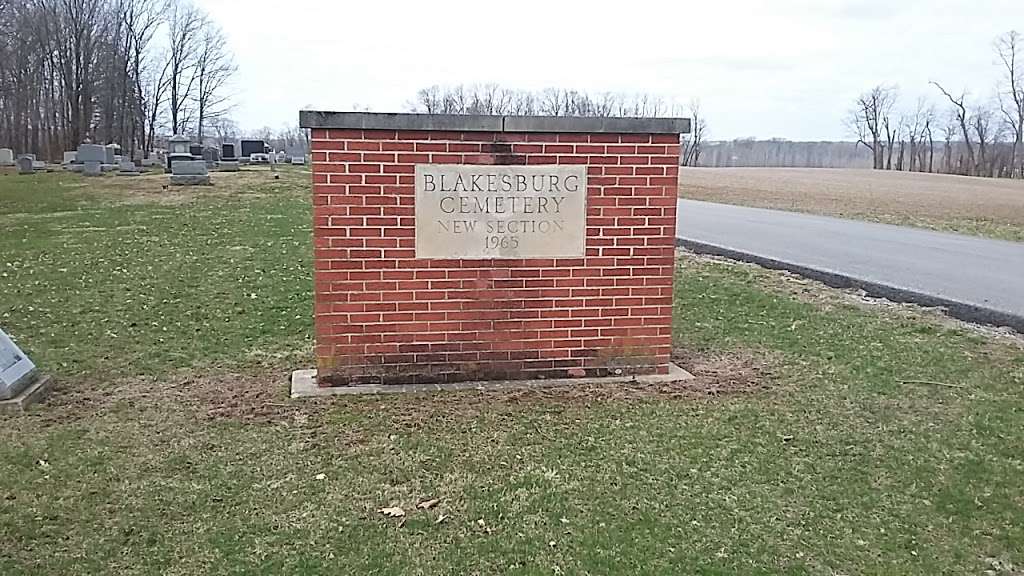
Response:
column 127, row 168
column 6, row 157
column 69, row 157
column 189, row 173
column 38, row 165
column 196, row 151
column 227, row 152
column 16, row 370
column 91, row 168
column 250, row 147
column 109, row 152
column 20, row 384
column 90, row 153
column 178, row 150
column 211, row 155
column 298, row 160
column 228, row 166
column 25, row 165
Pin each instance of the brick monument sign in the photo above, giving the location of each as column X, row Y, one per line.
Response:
column 456, row 248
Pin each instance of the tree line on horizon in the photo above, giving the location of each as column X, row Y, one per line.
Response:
column 976, row 136
column 110, row 71
column 488, row 99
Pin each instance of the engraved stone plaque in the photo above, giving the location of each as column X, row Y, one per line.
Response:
column 473, row 211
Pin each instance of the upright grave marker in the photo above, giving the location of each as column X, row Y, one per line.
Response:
column 20, row 385
column 455, row 248
column 26, row 165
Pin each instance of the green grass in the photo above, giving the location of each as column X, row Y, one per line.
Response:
column 108, row 286
column 834, row 468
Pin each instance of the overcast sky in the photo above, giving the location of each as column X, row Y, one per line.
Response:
column 772, row 68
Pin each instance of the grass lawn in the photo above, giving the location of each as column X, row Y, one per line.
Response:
column 171, row 320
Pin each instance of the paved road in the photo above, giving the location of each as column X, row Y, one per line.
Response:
column 977, row 279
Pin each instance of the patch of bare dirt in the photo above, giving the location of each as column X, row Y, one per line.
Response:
column 156, row 188
column 262, row 396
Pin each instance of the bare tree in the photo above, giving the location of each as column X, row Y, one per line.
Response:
column 870, row 117
column 184, row 28
column 693, row 143
column 981, row 124
column 1011, row 94
column 962, row 119
column 214, row 68
column 72, row 70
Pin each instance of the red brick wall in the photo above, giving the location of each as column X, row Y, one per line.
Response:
column 384, row 316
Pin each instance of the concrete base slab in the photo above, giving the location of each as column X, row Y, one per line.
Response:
column 304, row 384
column 29, row 396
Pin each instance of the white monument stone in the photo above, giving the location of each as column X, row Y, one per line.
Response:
column 20, row 385
column 6, row 157
column 69, row 157
column 16, row 370
column 480, row 211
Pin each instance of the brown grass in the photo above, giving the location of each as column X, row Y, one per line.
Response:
column 260, row 395
column 981, row 206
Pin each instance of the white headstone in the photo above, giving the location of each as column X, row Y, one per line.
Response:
column 6, row 156
column 38, row 165
column 298, row 160
column 69, row 157
column 110, row 151
column 16, row 370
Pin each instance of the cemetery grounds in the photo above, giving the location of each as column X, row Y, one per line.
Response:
column 991, row 207
column 825, row 433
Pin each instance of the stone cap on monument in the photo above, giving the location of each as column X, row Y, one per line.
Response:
column 495, row 123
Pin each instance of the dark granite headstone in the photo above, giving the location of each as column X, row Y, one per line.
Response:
column 250, row 147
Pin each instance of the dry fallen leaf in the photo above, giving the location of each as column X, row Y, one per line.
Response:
column 321, row 476
column 441, row 518
column 428, row 504
column 392, row 512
